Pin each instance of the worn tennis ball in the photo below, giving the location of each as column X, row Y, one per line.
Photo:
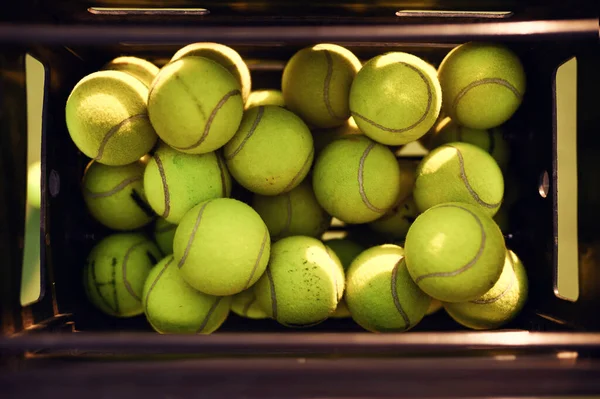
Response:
column 107, row 118
column 115, row 272
column 434, row 307
column 265, row 97
column 164, row 233
column 175, row 182
column 221, row 246
column 483, row 84
column 499, row 305
column 356, row 179
column 245, row 304
column 295, row 213
column 195, row 105
column 34, row 182
column 459, row 172
column 143, row 70
column 225, row 56
column 395, row 223
column 380, row 293
column 395, row 98
column 323, row 137
column 455, row 252
column 303, row 283
column 272, row 151
column 115, row 197
column 172, row 306
column 316, row 84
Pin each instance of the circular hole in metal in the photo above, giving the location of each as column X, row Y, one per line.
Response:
column 54, row 183
column 544, row 185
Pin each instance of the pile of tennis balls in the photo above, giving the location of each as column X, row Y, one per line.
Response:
column 171, row 147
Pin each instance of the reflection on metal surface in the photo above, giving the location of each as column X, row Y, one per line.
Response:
column 567, row 355
column 505, row 358
column 454, row 14
column 147, row 11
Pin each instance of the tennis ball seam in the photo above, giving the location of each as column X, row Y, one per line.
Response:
column 163, row 178
column 209, row 314
column 327, row 82
column 222, row 175
column 272, row 293
column 260, row 254
column 247, row 306
column 259, row 115
column 98, row 284
column 498, row 81
column 114, row 190
column 147, row 299
column 125, row 259
column 292, row 183
column 114, row 130
column 513, row 280
column 193, row 234
column 288, row 218
column 361, row 187
column 469, row 264
column 397, row 304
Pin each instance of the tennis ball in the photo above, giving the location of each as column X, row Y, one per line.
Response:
column 395, row 98
column 500, row 304
column 225, row 56
column 380, row 294
column 346, row 252
column 303, row 283
column 176, row 182
column 455, row 252
column 221, row 246
column 490, row 140
column 434, row 307
column 195, row 105
column 459, row 172
column 143, row 70
column 395, row 223
column 107, row 118
column 272, row 151
column 245, row 304
column 173, row 307
column 483, row 84
column 316, row 83
column 356, row 180
column 323, row 137
column 34, row 181
column 115, row 272
column 265, row 97
column 164, row 233
column 408, row 171
column 115, row 197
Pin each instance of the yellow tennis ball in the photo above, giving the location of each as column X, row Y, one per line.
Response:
column 499, row 305
column 455, row 252
column 34, row 181
column 195, row 105
column 395, row 98
column 316, row 83
column 221, row 246
column 107, row 118
column 115, row 197
column 173, row 307
column 115, row 272
column 164, row 233
column 434, row 307
column 356, row 180
column 175, row 182
column 143, row 70
column 380, row 293
column 225, row 56
column 295, row 213
column 302, row 284
column 459, row 172
column 323, row 137
column 246, row 305
column 483, row 84
column 395, row 223
column 265, row 97
column 272, row 151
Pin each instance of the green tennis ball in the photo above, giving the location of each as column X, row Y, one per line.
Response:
column 245, row 304
column 295, row 213
column 346, row 252
column 115, row 272
column 395, row 223
column 356, row 180
column 499, row 305
column 323, row 137
column 221, row 246
column 173, row 307
column 459, row 172
column 164, row 233
column 34, row 181
column 455, row 252
column 272, row 151
column 434, row 307
column 265, row 97
column 316, row 83
column 195, row 105
column 380, row 294
column 225, row 56
column 176, row 182
column 143, row 70
column 107, row 118
column 483, row 84
column 395, row 98
column 302, row 284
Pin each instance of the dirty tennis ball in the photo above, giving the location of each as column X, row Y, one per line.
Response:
column 225, row 56
column 272, row 151
column 395, row 223
column 221, row 246
column 195, row 105
column 434, row 307
column 373, row 305
column 143, row 70
column 356, row 179
column 164, row 233
column 483, row 84
column 302, row 284
column 175, row 182
column 34, row 181
column 115, row 272
column 265, row 97
column 245, row 304
column 455, row 252
column 459, row 172
column 115, row 197
column 107, row 118
column 295, row 213
column 173, row 307
column 316, row 83
column 395, row 98
column 499, row 305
